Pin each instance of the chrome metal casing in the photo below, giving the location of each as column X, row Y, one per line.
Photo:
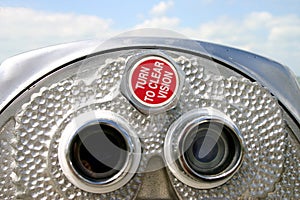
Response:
column 263, row 108
column 20, row 72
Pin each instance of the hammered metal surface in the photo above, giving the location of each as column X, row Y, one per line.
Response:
column 289, row 186
column 33, row 171
column 7, row 161
column 258, row 116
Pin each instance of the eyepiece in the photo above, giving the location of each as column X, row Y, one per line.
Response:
column 209, row 149
column 98, row 152
column 203, row 148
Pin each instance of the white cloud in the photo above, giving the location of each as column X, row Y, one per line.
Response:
column 158, row 18
column 257, row 19
column 161, row 8
column 276, row 37
column 24, row 29
column 34, row 23
column 160, row 22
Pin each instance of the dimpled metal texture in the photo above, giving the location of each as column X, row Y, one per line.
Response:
column 289, row 186
column 29, row 145
column 39, row 126
column 7, row 161
column 259, row 118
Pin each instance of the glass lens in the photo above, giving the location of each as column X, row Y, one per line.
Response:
column 209, row 148
column 205, row 149
column 98, row 152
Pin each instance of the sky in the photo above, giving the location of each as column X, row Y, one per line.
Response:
column 270, row 28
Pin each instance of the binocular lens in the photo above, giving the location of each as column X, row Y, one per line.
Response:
column 210, row 148
column 98, row 152
column 204, row 148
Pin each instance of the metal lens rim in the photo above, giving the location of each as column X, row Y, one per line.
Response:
column 132, row 160
column 173, row 152
column 129, row 150
column 187, row 152
column 187, row 166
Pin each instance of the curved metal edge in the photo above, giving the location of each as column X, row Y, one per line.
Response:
column 19, row 72
column 277, row 78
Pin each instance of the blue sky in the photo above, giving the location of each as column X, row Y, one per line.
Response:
column 270, row 27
